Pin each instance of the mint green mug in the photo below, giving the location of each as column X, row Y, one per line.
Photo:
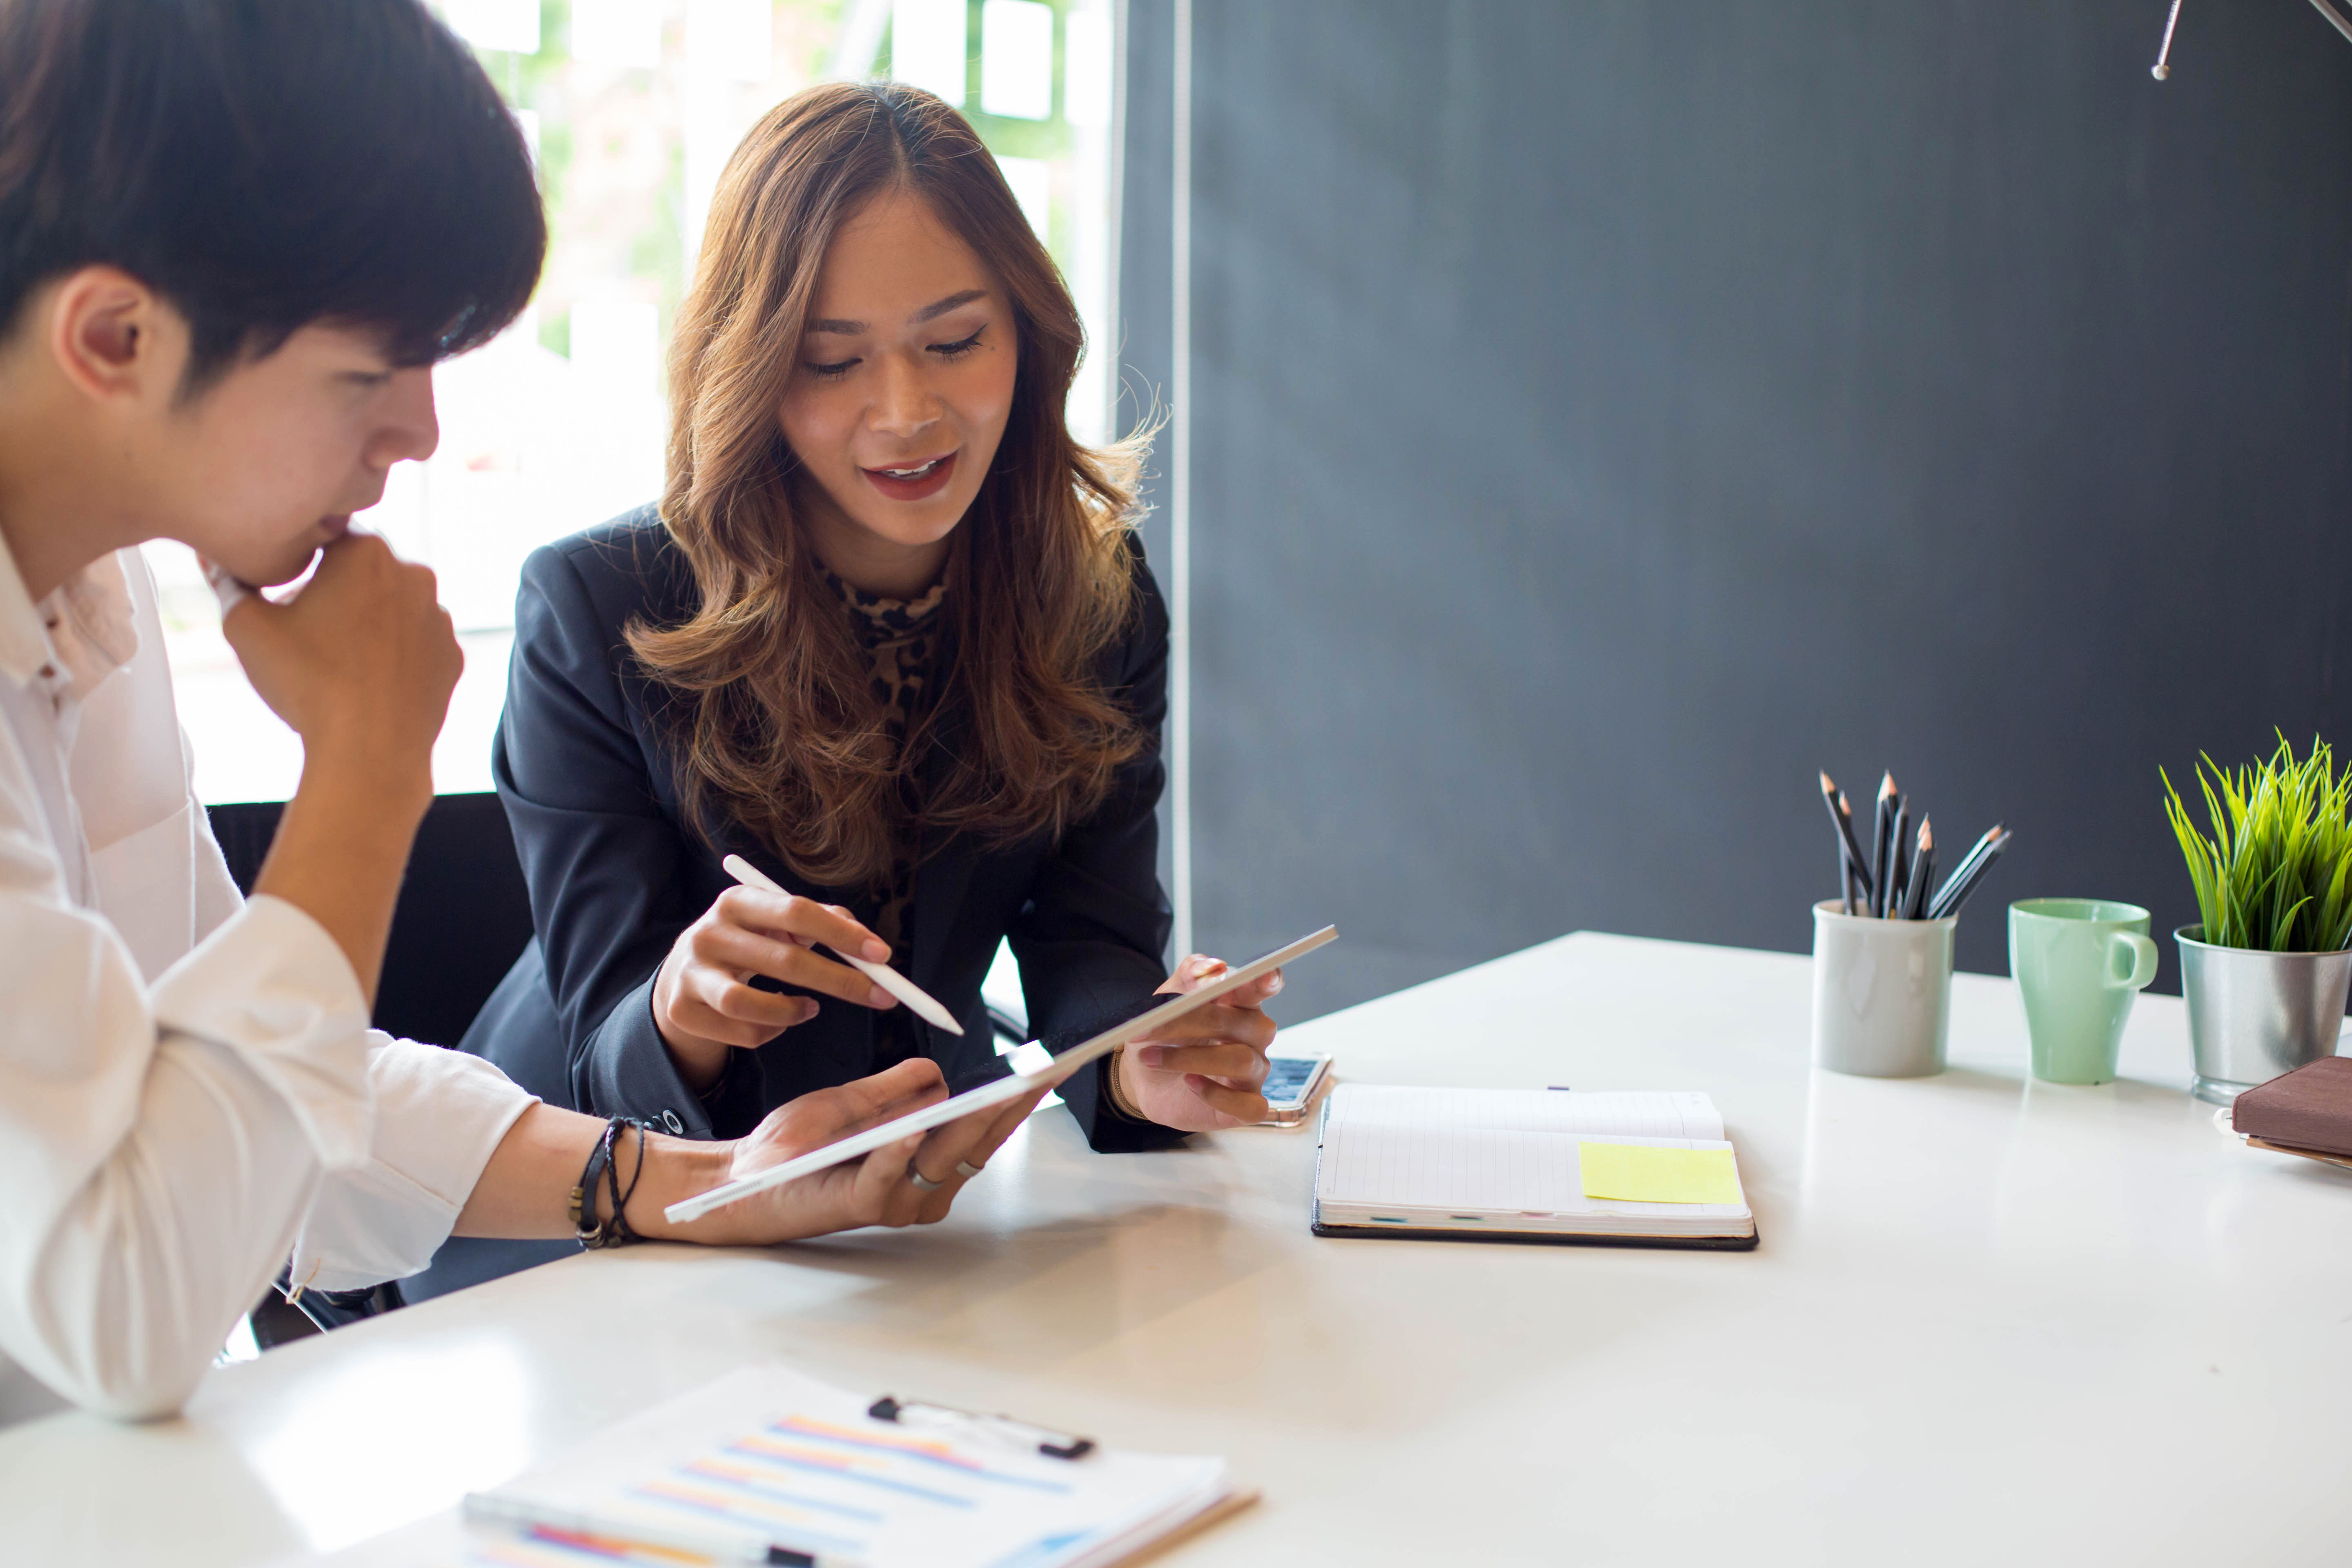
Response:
column 2079, row 964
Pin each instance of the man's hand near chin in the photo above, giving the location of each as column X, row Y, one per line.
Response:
column 360, row 661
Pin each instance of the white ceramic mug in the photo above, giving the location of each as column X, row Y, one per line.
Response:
column 1882, row 993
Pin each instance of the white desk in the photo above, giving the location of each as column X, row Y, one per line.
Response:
column 1989, row 1321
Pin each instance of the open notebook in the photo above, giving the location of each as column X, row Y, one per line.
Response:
column 1528, row 1165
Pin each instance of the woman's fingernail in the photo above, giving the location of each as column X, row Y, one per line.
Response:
column 808, row 1011
column 876, row 949
column 880, row 998
column 1150, row 1055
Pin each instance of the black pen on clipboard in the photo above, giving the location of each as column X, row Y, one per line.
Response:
column 1004, row 1428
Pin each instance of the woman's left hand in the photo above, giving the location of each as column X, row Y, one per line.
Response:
column 1203, row 1072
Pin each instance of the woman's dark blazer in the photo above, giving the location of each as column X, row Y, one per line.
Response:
column 586, row 770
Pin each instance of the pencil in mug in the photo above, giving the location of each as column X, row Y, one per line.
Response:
column 1898, row 864
column 1882, row 846
column 1961, row 872
column 1857, row 866
column 1923, row 870
column 1956, row 893
column 1855, row 874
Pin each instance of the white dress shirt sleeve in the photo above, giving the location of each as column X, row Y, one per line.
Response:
column 440, row 1117
column 163, row 1150
column 158, row 1148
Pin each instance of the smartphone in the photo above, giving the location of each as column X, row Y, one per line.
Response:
column 1291, row 1085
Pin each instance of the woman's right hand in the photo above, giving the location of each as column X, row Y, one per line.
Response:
column 704, row 1002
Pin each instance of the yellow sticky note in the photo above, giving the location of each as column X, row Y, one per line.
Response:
column 1644, row 1174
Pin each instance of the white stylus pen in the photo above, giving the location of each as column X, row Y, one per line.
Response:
column 882, row 975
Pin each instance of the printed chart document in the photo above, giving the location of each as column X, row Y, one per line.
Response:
column 766, row 1465
column 1637, row 1169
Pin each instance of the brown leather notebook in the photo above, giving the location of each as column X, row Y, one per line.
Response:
column 2310, row 1108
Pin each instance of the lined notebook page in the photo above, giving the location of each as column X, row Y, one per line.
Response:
column 1487, row 1148
column 1641, row 1114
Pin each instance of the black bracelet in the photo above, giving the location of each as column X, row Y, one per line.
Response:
column 584, row 1199
column 620, row 1233
column 592, row 1233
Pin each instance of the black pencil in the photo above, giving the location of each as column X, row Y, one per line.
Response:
column 1849, row 852
column 1923, row 868
column 1898, row 838
column 1964, row 876
column 1854, row 850
column 1960, row 895
column 1960, row 872
column 1845, row 860
column 1949, row 902
column 1881, row 856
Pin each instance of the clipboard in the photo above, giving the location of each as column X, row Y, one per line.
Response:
column 695, row 1478
column 1001, row 1092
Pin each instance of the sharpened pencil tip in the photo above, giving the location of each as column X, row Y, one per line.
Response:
column 1926, row 833
column 1829, row 786
column 1886, row 790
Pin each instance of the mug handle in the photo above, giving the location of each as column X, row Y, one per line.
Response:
column 2142, row 960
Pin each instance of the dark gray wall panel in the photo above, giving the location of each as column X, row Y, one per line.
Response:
column 1146, row 302
column 1607, row 414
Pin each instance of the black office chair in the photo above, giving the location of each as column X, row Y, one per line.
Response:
column 464, row 914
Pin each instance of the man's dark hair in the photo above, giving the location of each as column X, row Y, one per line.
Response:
column 264, row 165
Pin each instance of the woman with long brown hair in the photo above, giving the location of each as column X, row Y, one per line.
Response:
column 888, row 635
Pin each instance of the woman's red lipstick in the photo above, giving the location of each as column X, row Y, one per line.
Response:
column 912, row 481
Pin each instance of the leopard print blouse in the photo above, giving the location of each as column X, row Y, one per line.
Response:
column 900, row 637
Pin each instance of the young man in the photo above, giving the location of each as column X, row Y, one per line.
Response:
column 235, row 235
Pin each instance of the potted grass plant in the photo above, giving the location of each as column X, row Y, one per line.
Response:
column 2265, row 971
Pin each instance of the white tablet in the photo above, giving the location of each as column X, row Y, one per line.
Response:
column 997, row 1093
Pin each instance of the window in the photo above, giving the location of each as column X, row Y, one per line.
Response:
column 632, row 107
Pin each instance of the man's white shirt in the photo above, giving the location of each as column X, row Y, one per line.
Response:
column 190, row 1096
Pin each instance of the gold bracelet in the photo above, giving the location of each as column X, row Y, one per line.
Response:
column 1117, row 1091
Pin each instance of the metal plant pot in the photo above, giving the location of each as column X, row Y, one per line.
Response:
column 2255, row 1014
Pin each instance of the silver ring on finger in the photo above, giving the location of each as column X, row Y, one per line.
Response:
column 967, row 1170
column 923, row 1184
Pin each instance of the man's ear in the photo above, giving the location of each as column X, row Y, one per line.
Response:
column 114, row 338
